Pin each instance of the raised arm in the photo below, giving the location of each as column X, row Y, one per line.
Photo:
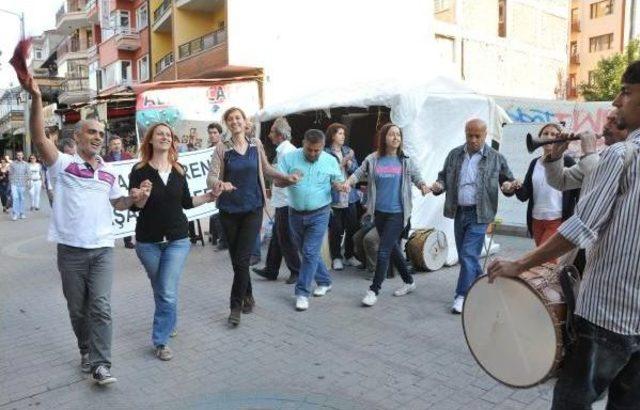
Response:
column 566, row 178
column 44, row 145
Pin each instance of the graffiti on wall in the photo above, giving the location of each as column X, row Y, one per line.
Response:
column 577, row 116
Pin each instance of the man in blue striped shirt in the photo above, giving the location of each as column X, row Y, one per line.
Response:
column 606, row 348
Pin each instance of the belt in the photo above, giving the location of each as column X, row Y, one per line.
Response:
column 466, row 207
column 295, row 211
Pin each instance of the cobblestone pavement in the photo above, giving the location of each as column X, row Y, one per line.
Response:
column 403, row 353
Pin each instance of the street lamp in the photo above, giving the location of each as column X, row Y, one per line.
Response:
column 25, row 115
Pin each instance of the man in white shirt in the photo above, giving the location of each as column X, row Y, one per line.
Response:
column 281, row 243
column 86, row 189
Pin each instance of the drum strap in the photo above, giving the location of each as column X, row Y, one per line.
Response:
column 569, row 282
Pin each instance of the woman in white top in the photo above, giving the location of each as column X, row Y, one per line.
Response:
column 37, row 178
column 547, row 207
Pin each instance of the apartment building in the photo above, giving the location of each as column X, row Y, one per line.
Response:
column 504, row 47
column 598, row 29
column 11, row 120
column 188, row 39
column 120, row 56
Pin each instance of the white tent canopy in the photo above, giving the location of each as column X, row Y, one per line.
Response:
column 432, row 115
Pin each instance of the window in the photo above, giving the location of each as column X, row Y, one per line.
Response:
column 572, row 90
column 118, row 23
column 601, row 43
column 573, row 48
column 601, row 8
column 502, row 18
column 143, row 68
column 142, row 17
column 446, row 47
column 118, row 73
column 441, row 5
column 37, row 53
column 590, row 79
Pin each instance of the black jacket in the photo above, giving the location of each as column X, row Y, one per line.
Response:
column 569, row 198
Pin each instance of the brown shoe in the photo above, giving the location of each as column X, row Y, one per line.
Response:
column 248, row 304
column 291, row 279
column 234, row 317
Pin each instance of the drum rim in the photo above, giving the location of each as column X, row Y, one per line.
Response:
column 549, row 373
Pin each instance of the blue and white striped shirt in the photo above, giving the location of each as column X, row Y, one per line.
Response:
column 607, row 224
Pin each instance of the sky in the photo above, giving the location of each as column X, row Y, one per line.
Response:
column 39, row 15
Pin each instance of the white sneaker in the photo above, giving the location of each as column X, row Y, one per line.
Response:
column 23, row 216
column 321, row 290
column 370, row 298
column 352, row 261
column 404, row 289
column 302, row 303
column 458, row 303
column 337, row 264
column 14, row 217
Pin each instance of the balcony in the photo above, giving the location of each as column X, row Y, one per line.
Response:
column 575, row 26
column 203, row 56
column 207, row 6
column 70, row 49
column 72, row 16
column 164, row 63
column 127, row 39
column 74, row 90
column 162, row 18
column 93, row 13
column 574, row 59
column 92, row 54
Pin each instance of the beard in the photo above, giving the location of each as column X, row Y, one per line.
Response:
column 621, row 124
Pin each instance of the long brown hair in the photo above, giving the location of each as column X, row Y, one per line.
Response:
column 382, row 140
column 146, row 149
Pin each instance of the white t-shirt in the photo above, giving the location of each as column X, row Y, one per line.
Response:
column 35, row 170
column 547, row 201
column 280, row 196
column 82, row 212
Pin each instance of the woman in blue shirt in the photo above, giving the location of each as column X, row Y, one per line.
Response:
column 389, row 173
column 238, row 166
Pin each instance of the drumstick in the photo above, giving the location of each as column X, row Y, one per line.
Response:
column 492, row 231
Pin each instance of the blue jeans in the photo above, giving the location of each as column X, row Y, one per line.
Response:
column 307, row 231
column 389, row 227
column 164, row 262
column 18, row 194
column 469, row 241
column 597, row 359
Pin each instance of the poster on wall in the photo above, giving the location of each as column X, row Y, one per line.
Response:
column 188, row 110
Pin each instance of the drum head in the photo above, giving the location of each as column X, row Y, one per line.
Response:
column 434, row 250
column 509, row 331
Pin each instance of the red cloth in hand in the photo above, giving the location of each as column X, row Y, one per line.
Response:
column 19, row 59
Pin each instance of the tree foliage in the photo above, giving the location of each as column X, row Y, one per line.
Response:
column 605, row 81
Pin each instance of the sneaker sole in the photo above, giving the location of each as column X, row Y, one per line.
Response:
column 105, row 382
column 300, row 309
column 321, row 294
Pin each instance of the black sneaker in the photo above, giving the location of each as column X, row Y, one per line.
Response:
column 85, row 365
column 102, row 376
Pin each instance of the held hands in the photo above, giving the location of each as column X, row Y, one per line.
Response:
column 141, row 194
column 509, row 187
column 436, row 187
column 293, row 179
column 425, row 189
column 503, row 268
column 342, row 186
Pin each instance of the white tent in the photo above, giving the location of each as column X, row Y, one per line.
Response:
column 432, row 115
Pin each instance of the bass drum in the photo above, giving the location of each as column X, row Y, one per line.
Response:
column 427, row 249
column 514, row 326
